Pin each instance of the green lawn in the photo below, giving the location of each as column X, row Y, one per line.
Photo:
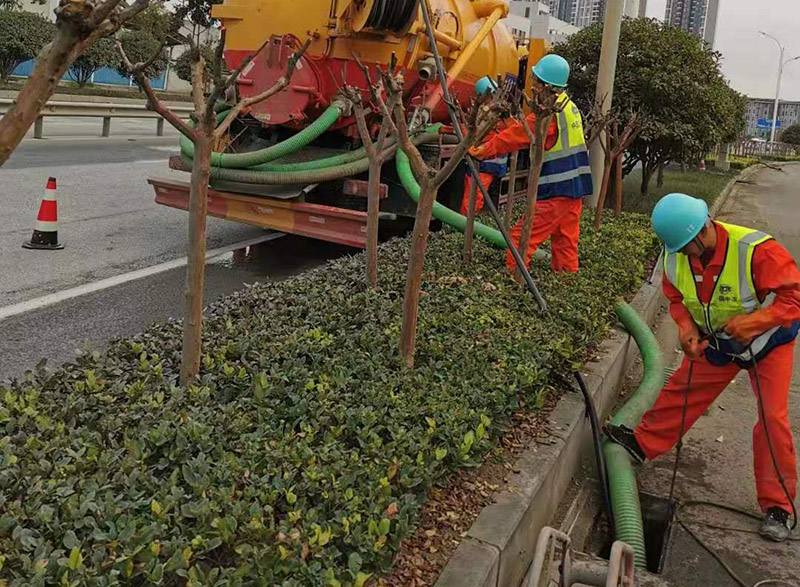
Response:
column 702, row 184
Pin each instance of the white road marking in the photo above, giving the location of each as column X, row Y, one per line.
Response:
column 82, row 290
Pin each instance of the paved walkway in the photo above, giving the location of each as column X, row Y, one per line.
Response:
column 717, row 461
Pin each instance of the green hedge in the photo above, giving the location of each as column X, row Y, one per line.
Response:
column 305, row 452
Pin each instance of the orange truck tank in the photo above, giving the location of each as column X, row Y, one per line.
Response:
column 373, row 30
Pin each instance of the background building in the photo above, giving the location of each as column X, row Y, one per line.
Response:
column 759, row 116
column 699, row 17
column 532, row 19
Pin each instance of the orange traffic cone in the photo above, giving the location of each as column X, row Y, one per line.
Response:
column 702, row 164
column 45, row 232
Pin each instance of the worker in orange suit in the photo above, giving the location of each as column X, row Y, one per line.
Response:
column 565, row 177
column 734, row 293
column 490, row 169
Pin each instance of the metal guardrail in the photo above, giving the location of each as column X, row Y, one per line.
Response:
column 756, row 148
column 104, row 110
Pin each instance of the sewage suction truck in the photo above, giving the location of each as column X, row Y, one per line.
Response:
column 294, row 163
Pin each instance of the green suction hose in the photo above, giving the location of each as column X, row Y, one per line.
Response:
column 287, row 147
column 257, row 176
column 441, row 212
column 445, row 214
column 621, row 476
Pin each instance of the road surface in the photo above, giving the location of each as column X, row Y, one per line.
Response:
column 111, row 228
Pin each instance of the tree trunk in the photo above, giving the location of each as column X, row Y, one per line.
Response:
column 647, row 175
column 618, row 206
column 660, row 176
column 419, row 244
column 534, row 173
column 512, row 190
column 51, row 65
column 469, row 231
column 601, row 200
column 373, row 221
column 195, row 277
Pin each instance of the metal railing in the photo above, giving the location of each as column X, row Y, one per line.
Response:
column 756, row 148
column 104, row 110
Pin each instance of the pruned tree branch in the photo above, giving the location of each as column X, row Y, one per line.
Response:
column 153, row 101
column 245, row 104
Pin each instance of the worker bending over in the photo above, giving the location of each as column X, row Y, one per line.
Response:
column 490, row 168
column 566, row 177
column 733, row 291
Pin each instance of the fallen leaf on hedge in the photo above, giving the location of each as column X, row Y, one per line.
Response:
column 392, row 510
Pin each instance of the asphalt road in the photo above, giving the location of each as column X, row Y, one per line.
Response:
column 111, row 226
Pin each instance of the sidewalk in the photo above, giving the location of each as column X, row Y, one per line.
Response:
column 717, row 461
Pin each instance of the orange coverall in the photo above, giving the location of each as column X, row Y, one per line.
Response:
column 486, row 177
column 774, row 270
column 557, row 218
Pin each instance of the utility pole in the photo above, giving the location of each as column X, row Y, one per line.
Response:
column 781, row 65
column 612, row 25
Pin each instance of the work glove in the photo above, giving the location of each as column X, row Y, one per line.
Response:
column 691, row 344
column 478, row 152
column 746, row 327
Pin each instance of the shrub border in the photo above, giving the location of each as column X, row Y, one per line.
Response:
column 499, row 546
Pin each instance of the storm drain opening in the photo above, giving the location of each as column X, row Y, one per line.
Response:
column 658, row 516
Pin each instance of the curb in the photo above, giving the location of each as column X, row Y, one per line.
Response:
column 726, row 191
column 499, row 546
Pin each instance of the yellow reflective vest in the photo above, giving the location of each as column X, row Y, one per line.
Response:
column 734, row 292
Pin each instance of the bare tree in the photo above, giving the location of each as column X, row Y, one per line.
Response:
column 204, row 133
column 376, row 154
column 512, row 190
column 614, row 143
column 79, row 24
column 469, row 231
column 544, row 104
column 482, row 118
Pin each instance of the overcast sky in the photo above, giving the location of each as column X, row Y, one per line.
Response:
column 750, row 60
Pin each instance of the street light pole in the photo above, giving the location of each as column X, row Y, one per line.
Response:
column 604, row 93
column 781, row 65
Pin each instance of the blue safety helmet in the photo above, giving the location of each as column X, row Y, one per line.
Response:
column 678, row 219
column 485, row 84
column 553, row 70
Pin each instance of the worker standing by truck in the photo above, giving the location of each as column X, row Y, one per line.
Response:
column 490, row 169
column 565, row 178
column 734, row 293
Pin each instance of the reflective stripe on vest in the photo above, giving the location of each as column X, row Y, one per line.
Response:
column 734, row 292
column 563, row 161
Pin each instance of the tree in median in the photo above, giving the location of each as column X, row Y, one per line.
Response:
column 142, row 47
column 482, row 118
column 672, row 77
column 182, row 66
column 204, row 133
column 100, row 54
column 79, row 24
column 22, row 36
column 791, row 135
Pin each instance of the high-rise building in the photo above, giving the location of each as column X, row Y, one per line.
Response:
column 711, row 21
column 696, row 16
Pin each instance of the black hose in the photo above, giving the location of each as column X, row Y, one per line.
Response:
column 762, row 415
column 591, row 409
